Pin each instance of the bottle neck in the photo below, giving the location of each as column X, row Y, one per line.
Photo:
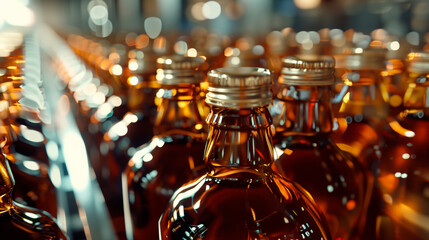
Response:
column 7, row 183
column 179, row 110
column 306, row 110
column 239, row 138
column 416, row 97
column 365, row 95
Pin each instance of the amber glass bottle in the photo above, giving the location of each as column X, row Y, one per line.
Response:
column 404, row 167
column 129, row 126
column 364, row 109
column 241, row 197
column 34, row 187
column 17, row 221
column 174, row 155
column 305, row 151
column 363, row 112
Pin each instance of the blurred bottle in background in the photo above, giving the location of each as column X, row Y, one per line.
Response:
column 403, row 177
column 175, row 153
column 305, row 151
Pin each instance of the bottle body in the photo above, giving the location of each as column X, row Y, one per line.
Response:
column 241, row 197
column 306, row 154
column 21, row 222
column 159, row 167
column 241, row 205
column 175, row 160
column 402, row 179
column 363, row 111
column 361, row 116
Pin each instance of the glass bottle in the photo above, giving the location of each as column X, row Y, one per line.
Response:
column 123, row 133
column 363, row 112
column 174, row 155
column 404, row 167
column 394, row 75
column 34, row 187
column 17, row 221
column 363, row 109
column 305, row 151
column 240, row 197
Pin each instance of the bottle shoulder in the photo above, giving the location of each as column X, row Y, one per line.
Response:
column 333, row 177
column 230, row 207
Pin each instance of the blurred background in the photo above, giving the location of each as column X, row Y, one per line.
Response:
column 236, row 17
column 104, row 18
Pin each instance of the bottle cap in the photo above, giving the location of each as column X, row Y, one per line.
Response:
column 355, row 58
column 242, row 87
column 174, row 70
column 418, row 62
column 307, row 70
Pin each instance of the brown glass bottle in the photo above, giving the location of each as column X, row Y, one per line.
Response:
column 174, row 155
column 17, row 221
column 305, row 151
column 404, row 169
column 241, row 197
column 394, row 78
column 362, row 114
column 124, row 131
column 364, row 109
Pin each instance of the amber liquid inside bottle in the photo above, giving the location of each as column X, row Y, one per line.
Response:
column 306, row 154
column 158, row 168
column 404, row 169
column 241, row 197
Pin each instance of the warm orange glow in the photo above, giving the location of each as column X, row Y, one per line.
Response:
column 105, row 64
column 198, row 126
column 376, row 43
column 288, row 151
column 400, row 130
column 351, row 204
column 395, row 101
column 160, row 44
column 142, row 41
column 354, row 150
column 228, row 52
column 388, row 182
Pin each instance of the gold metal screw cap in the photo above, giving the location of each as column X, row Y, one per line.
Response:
column 371, row 58
column 307, row 70
column 239, row 87
column 174, row 70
